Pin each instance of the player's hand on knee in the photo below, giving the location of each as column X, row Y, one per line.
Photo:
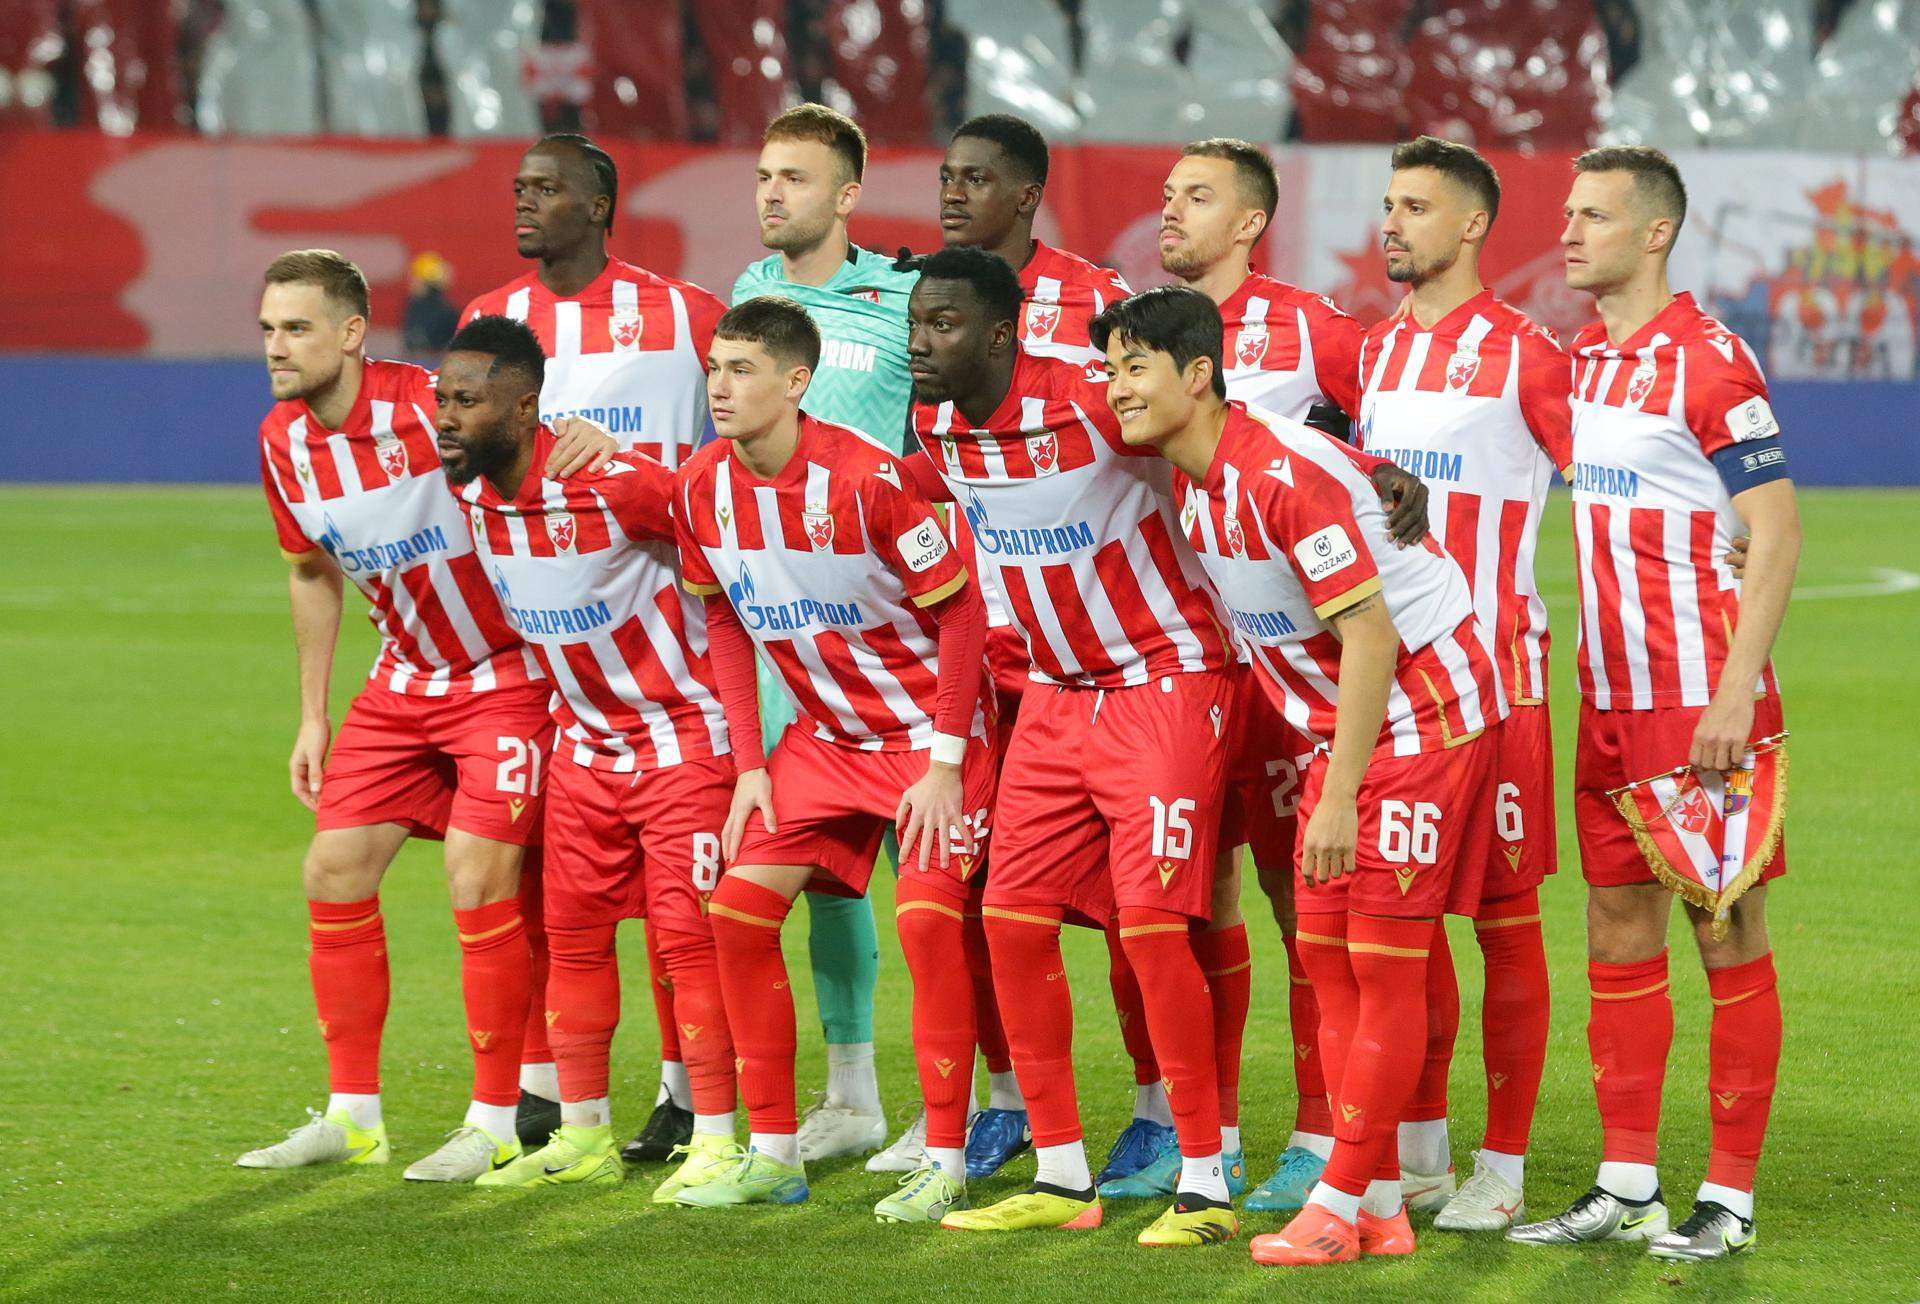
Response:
column 308, row 760
column 579, row 445
column 930, row 813
column 1720, row 738
column 1327, row 844
column 752, row 791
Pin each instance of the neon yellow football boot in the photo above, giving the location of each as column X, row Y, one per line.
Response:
column 586, row 1155
column 1181, row 1226
column 702, row 1159
column 1031, row 1210
column 330, row 1138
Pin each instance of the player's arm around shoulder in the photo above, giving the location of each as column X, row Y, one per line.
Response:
column 639, row 491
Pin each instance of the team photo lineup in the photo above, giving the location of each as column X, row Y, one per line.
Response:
column 1061, row 603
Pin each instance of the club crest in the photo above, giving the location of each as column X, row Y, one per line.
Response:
column 1236, row 538
column 561, row 529
column 1044, row 449
column 1694, row 814
column 1041, row 319
column 819, row 529
column 1251, row 346
column 393, row 456
column 1462, row 367
column 624, row 327
column 1640, row 384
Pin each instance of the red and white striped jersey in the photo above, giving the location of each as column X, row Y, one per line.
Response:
column 1078, row 531
column 586, row 569
column 1288, row 349
column 373, row 496
column 1477, row 407
column 629, row 352
column 1652, row 517
column 1063, row 293
column 833, row 566
column 1290, row 531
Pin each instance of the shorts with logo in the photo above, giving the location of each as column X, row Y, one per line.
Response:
column 640, row 845
column 475, row 762
column 833, row 804
column 1525, row 827
column 1426, row 829
column 1621, row 747
column 1111, row 797
column 1269, row 759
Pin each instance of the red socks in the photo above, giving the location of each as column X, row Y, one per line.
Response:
column 348, row 962
column 494, row 977
column 1743, row 1061
column 533, row 1046
column 746, row 922
column 931, row 931
column 1321, row 943
column 1310, row 1112
column 662, row 1000
column 1630, row 1031
column 1030, row 980
column 986, row 1008
column 688, row 964
column 1227, row 963
column 1513, row 1018
column 1443, row 1026
column 1131, row 1008
column 1390, row 960
column 1179, row 1010
column 583, row 1000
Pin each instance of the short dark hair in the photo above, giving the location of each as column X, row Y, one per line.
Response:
column 777, row 322
column 336, row 276
column 989, row 275
column 835, row 130
column 1017, row 138
column 605, row 175
column 512, row 345
column 1173, row 319
column 1655, row 178
column 1463, row 163
column 1252, row 171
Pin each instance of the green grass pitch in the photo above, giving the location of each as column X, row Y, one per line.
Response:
column 155, row 1018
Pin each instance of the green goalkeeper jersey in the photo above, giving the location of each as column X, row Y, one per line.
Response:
column 862, row 378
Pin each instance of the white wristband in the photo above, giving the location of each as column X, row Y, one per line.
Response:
column 949, row 749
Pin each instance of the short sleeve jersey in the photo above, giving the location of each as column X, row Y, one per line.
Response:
column 629, row 352
column 1654, row 419
column 834, row 566
column 373, row 497
column 862, row 379
column 1477, row 407
column 1287, row 349
column 1291, row 533
column 1078, row 531
column 585, row 568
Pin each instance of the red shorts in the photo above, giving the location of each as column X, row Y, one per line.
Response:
column 1268, row 761
column 833, row 805
column 1008, row 665
column 634, row 846
column 1111, row 798
column 472, row 762
column 1525, row 828
column 1426, row 829
column 1621, row 747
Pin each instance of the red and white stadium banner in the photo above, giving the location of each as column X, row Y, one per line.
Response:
column 154, row 243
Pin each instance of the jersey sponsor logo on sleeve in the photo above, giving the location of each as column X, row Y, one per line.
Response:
column 819, row 523
column 623, row 327
column 922, row 546
column 1325, row 552
column 1752, row 419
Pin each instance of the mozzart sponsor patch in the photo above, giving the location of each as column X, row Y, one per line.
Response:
column 922, row 546
column 1325, row 552
column 1752, row 419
